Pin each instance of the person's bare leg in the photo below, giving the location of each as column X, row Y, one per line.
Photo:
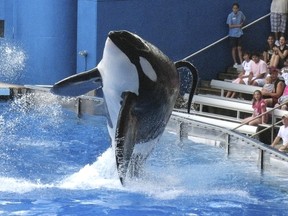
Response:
column 240, row 54
column 255, row 83
column 276, row 36
column 233, row 95
column 234, row 54
column 284, row 107
column 255, row 122
column 228, row 94
column 269, row 102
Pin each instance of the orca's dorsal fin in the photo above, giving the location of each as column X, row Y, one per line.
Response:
column 195, row 77
column 78, row 84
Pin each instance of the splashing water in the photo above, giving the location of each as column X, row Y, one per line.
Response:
column 31, row 107
column 66, row 167
column 12, row 61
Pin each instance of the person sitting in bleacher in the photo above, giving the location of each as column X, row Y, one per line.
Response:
column 259, row 107
column 259, row 70
column 284, row 96
column 268, row 52
column 243, row 75
column 282, row 134
column 280, row 54
column 271, row 98
column 268, row 86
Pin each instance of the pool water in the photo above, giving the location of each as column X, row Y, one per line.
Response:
column 54, row 163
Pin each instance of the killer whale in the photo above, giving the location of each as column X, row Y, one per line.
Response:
column 140, row 85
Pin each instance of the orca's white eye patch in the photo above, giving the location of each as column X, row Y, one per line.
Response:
column 148, row 69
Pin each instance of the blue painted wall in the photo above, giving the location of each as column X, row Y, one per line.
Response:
column 87, row 34
column 182, row 27
column 47, row 31
column 53, row 32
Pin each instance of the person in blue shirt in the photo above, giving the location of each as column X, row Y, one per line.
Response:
column 235, row 22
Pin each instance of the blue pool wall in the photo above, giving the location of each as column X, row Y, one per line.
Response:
column 54, row 32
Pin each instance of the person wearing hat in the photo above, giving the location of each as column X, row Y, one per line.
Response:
column 282, row 134
column 271, row 98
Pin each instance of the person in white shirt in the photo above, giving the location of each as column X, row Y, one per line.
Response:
column 243, row 75
column 282, row 134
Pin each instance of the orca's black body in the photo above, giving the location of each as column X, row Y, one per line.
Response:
column 140, row 86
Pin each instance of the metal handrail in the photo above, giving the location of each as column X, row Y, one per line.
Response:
column 267, row 128
column 220, row 40
column 267, row 112
column 261, row 131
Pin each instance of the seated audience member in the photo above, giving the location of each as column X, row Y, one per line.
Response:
column 259, row 71
column 267, row 53
column 284, row 96
column 285, row 68
column 271, row 98
column 259, row 107
column 280, row 54
column 268, row 86
column 282, row 134
column 243, row 75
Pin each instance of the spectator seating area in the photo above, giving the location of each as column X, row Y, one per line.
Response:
column 225, row 112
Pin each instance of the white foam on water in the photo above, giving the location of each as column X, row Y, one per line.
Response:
column 20, row 185
column 101, row 173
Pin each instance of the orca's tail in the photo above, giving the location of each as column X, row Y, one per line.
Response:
column 195, row 77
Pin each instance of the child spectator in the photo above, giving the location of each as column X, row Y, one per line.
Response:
column 267, row 53
column 235, row 22
column 268, row 86
column 259, row 107
column 282, row 134
column 243, row 75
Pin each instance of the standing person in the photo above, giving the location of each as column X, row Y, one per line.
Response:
column 259, row 107
column 235, row 22
column 259, row 70
column 278, row 18
column 282, row 134
column 271, row 98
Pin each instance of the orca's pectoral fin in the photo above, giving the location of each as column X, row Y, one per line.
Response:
column 78, row 84
column 195, row 77
column 125, row 135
